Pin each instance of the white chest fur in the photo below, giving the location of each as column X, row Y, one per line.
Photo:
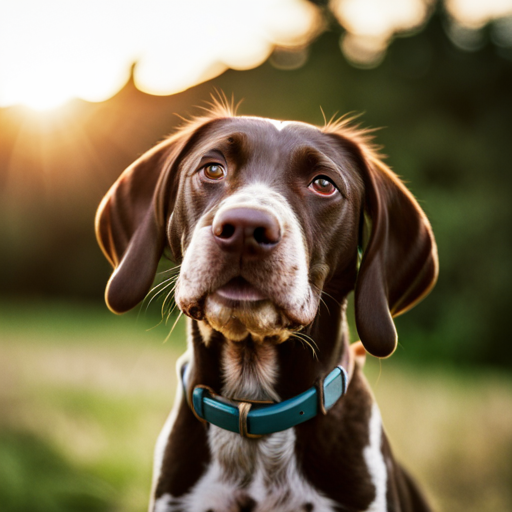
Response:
column 259, row 472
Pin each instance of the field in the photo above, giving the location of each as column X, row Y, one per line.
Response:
column 83, row 395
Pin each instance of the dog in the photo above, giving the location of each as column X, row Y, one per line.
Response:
column 274, row 223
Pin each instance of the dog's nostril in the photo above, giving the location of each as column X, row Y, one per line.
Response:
column 259, row 236
column 264, row 235
column 225, row 231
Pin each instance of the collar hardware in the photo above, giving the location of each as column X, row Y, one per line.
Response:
column 243, row 411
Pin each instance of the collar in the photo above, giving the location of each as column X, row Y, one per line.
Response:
column 254, row 419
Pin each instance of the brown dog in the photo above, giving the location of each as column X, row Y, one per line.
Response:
column 274, row 224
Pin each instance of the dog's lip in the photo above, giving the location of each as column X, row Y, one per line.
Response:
column 240, row 290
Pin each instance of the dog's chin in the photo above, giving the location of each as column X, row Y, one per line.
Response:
column 238, row 309
column 236, row 319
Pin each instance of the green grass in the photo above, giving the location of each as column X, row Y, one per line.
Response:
column 83, row 395
column 37, row 477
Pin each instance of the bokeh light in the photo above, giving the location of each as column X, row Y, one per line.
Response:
column 475, row 13
column 372, row 24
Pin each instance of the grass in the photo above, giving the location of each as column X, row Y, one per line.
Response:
column 453, row 430
column 83, row 395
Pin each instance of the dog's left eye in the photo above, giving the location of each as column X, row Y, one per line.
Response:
column 323, row 186
column 214, row 172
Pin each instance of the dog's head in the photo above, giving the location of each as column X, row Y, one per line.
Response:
column 265, row 216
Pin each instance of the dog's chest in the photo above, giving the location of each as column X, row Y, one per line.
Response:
column 256, row 475
column 252, row 474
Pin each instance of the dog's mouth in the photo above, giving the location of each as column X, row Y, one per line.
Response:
column 238, row 291
column 243, row 306
column 238, row 308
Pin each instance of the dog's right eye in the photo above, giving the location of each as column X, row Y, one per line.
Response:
column 214, row 172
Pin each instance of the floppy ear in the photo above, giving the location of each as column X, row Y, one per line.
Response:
column 399, row 265
column 130, row 223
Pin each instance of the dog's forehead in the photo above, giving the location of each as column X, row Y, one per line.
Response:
column 273, row 136
column 270, row 126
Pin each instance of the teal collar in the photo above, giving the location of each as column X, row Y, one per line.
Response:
column 255, row 419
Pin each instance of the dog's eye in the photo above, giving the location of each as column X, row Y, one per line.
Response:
column 214, row 172
column 323, row 186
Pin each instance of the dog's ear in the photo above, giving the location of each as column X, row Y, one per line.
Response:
column 399, row 264
column 130, row 222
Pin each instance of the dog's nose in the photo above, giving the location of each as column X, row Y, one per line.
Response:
column 246, row 230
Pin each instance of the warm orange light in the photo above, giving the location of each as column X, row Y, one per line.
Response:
column 43, row 100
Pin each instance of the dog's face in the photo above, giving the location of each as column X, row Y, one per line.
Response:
column 265, row 216
column 263, row 212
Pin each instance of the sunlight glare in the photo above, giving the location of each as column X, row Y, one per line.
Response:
column 56, row 50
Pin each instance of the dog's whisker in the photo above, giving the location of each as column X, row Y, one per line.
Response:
column 304, row 343
column 323, row 292
column 159, row 293
column 325, row 304
column 167, row 313
column 307, row 340
column 155, row 326
column 162, row 285
column 163, row 311
column 312, row 343
column 171, row 309
column 173, row 269
column 173, row 326
column 308, row 337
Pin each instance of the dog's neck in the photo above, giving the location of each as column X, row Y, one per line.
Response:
column 263, row 370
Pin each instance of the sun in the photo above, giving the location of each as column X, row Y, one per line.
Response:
column 45, row 101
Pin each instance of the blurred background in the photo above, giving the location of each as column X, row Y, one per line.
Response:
column 86, row 87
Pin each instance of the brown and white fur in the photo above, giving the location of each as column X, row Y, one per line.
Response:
column 268, row 220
